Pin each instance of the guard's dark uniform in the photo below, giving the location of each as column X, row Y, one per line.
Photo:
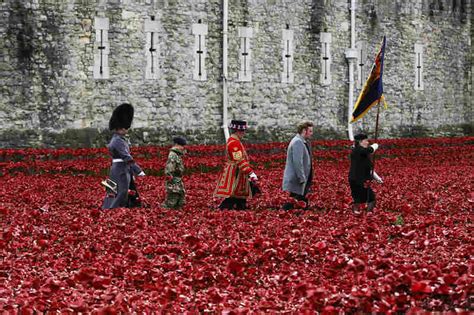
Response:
column 123, row 166
column 121, row 171
column 360, row 172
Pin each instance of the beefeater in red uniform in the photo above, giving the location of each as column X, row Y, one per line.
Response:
column 234, row 182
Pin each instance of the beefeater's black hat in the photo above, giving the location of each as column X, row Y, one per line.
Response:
column 238, row 125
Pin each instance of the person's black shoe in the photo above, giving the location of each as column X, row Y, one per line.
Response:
column 370, row 206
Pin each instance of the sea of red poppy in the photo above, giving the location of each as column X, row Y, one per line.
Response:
column 60, row 253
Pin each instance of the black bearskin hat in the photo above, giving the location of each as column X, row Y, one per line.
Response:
column 122, row 117
column 238, row 125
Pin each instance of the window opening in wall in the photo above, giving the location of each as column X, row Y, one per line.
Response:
column 325, row 58
column 361, row 47
column 200, row 32
column 200, row 52
column 245, row 34
column 101, row 49
column 419, row 67
column 101, row 68
column 287, row 76
column 151, row 48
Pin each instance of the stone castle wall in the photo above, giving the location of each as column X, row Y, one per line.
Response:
column 49, row 96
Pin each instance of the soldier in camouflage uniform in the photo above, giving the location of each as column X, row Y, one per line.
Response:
column 175, row 192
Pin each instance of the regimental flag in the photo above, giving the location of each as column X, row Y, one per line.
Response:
column 372, row 92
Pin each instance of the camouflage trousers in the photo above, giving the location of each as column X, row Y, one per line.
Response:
column 174, row 200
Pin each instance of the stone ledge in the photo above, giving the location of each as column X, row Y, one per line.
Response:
column 91, row 137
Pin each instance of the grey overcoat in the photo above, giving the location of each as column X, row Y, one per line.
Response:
column 298, row 166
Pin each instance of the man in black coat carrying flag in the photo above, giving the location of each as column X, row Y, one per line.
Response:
column 123, row 166
column 361, row 173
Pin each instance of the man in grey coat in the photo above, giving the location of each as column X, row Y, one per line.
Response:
column 298, row 173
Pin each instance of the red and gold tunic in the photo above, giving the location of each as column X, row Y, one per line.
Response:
column 233, row 182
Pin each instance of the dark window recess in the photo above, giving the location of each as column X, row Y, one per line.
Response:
column 287, row 56
column 200, row 52
column 152, row 52
column 101, row 48
column 245, row 54
column 326, row 60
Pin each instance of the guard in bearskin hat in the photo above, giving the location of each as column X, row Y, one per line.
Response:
column 361, row 173
column 121, row 189
column 234, row 183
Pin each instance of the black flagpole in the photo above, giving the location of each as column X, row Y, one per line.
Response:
column 376, row 136
column 375, row 139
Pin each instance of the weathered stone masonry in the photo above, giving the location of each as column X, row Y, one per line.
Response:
column 49, row 96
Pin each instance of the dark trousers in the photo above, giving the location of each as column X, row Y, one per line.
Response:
column 361, row 193
column 134, row 200
column 233, row 203
column 127, row 198
column 119, row 173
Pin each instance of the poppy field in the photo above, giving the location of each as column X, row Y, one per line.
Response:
column 59, row 252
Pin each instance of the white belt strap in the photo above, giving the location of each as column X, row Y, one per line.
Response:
column 117, row 160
